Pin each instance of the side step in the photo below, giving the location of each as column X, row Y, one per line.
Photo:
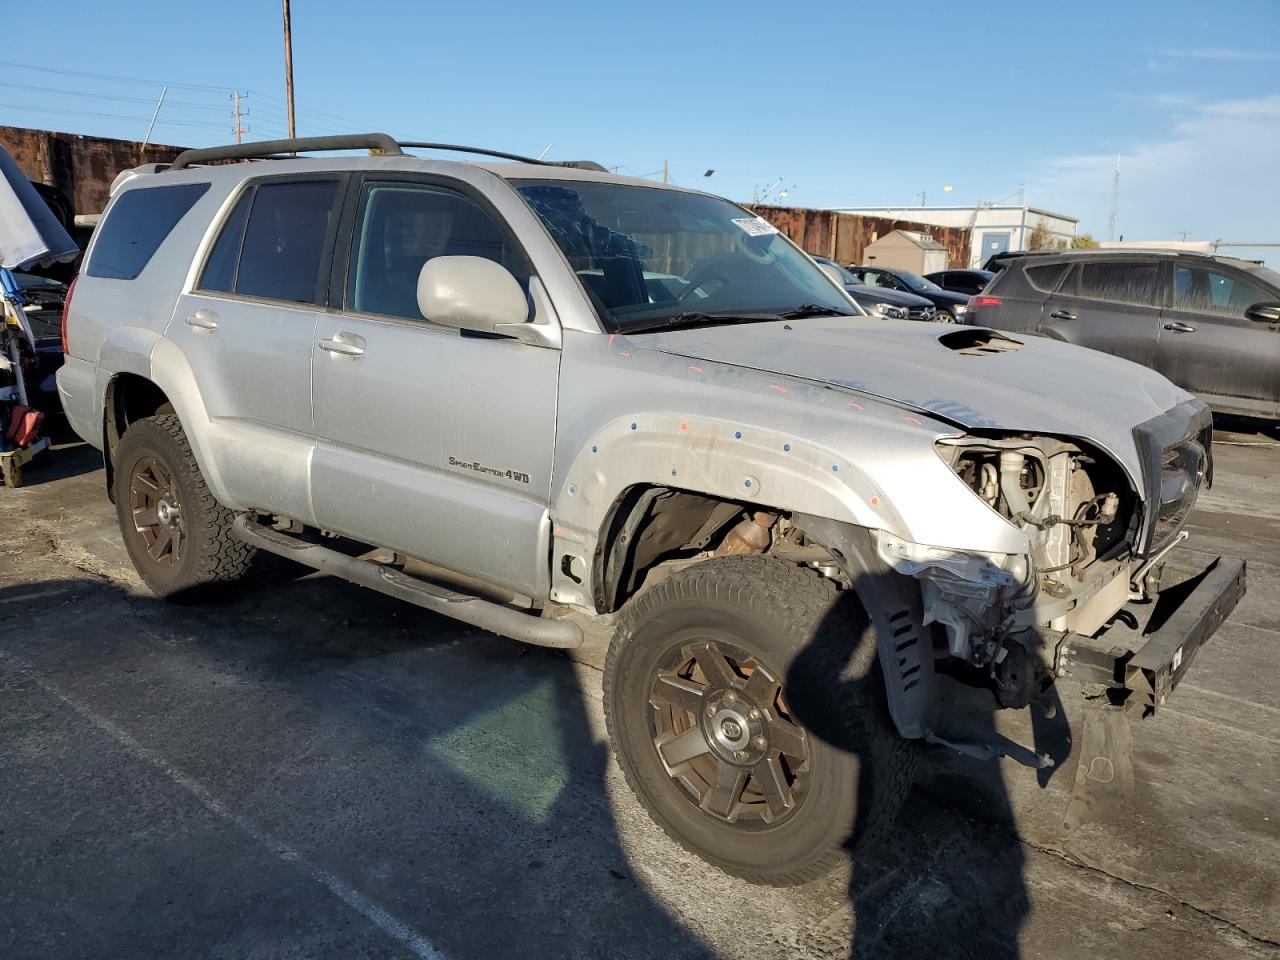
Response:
column 485, row 614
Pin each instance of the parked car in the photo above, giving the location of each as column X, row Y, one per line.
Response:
column 950, row 306
column 880, row 301
column 1210, row 324
column 967, row 282
column 784, row 513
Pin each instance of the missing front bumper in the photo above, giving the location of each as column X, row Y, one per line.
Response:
column 1148, row 648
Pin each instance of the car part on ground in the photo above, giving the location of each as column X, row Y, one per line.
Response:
column 585, row 399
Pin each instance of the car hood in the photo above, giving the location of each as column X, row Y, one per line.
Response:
column 975, row 378
column 882, row 295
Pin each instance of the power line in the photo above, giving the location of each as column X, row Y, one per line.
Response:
column 108, row 76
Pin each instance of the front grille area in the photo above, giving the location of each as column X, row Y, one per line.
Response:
column 922, row 313
column 1176, row 459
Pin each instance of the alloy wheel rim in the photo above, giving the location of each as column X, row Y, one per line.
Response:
column 157, row 512
column 723, row 733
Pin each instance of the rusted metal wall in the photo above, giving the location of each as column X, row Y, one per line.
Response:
column 844, row 237
column 79, row 167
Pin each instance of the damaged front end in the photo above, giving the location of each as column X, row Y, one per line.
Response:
column 1085, row 600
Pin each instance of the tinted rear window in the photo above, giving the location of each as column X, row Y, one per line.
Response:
column 137, row 225
column 1123, row 281
column 285, row 240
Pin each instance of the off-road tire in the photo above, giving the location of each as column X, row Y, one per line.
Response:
column 820, row 637
column 214, row 556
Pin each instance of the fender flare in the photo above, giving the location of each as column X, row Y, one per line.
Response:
column 894, row 605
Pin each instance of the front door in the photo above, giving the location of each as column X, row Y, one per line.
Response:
column 1210, row 347
column 1108, row 305
column 431, row 442
column 247, row 329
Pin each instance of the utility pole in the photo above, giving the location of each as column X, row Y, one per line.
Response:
column 1115, row 202
column 288, row 69
column 238, row 131
column 664, row 171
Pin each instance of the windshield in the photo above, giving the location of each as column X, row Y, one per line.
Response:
column 1266, row 275
column 651, row 258
column 27, row 281
column 915, row 281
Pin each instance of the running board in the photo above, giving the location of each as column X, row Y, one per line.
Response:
column 478, row 612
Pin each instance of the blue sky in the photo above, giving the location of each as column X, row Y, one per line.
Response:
column 849, row 104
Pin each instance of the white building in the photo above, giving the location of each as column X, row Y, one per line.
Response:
column 996, row 227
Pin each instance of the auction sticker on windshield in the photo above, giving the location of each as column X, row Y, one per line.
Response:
column 756, row 227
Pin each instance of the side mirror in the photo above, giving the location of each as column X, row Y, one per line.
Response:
column 1264, row 312
column 471, row 293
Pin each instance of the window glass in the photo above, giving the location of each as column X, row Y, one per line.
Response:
column 1207, row 291
column 402, row 226
column 220, row 269
column 1046, row 276
column 1123, row 281
column 649, row 258
column 137, row 225
column 284, row 241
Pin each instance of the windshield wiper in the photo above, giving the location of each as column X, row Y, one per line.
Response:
column 810, row 310
column 694, row 318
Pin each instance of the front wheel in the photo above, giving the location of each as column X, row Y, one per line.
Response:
column 746, row 709
column 177, row 535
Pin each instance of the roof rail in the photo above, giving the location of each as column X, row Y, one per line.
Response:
column 375, row 143
column 480, row 151
column 484, row 152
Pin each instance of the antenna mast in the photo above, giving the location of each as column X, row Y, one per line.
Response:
column 1115, row 202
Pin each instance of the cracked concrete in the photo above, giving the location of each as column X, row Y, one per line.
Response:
column 308, row 769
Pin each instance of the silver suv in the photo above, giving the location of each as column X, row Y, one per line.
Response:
column 544, row 400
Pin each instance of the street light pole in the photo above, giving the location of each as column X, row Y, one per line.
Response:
column 288, row 69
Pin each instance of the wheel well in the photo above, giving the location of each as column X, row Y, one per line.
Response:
column 129, row 398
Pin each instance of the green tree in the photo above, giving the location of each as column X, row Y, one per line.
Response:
column 1084, row 241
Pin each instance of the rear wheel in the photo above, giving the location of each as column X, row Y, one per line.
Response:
column 746, row 710
column 177, row 535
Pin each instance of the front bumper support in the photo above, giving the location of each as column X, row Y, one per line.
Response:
column 1144, row 653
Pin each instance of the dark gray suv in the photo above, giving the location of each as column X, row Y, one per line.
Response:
column 1210, row 324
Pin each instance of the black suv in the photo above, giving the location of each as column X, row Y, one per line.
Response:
column 1210, row 324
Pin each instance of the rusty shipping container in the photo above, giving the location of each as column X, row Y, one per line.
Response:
column 844, row 237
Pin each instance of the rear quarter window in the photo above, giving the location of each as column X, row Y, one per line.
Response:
column 1045, row 277
column 138, row 223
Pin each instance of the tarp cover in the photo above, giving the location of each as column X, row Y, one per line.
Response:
column 30, row 235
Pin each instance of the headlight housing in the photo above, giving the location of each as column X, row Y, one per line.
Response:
column 890, row 311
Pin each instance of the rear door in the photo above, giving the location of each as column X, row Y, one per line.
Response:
column 431, row 442
column 247, row 328
column 1108, row 305
column 1210, row 347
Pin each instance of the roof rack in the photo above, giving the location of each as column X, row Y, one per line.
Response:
column 375, row 143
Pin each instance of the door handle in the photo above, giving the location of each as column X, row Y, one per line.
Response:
column 203, row 319
column 1062, row 315
column 343, row 348
column 1178, row 327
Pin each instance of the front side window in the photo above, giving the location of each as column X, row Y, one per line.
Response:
column 138, row 223
column 649, row 258
column 402, row 226
column 1199, row 290
column 1121, row 281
